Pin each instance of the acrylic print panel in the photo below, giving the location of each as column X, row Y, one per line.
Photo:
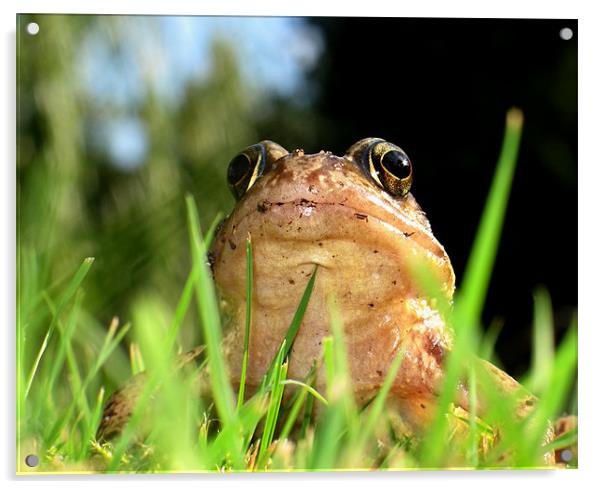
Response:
column 192, row 296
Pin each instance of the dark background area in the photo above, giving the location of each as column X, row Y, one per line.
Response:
column 439, row 88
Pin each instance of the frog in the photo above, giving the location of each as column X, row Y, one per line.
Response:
column 352, row 221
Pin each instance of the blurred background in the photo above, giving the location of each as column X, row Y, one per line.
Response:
column 120, row 116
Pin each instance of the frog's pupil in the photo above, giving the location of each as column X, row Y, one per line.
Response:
column 397, row 163
column 238, row 169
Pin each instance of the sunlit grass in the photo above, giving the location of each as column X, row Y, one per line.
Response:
column 191, row 419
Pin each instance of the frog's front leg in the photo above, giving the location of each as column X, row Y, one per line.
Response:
column 523, row 403
column 419, row 381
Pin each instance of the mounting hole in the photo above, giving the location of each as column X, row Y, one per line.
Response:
column 566, row 455
column 566, row 33
column 32, row 28
column 32, row 460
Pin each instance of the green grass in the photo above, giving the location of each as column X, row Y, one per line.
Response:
column 181, row 423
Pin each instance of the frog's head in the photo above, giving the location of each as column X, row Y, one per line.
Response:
column 352, row 216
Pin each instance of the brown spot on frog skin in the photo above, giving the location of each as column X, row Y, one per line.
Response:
column 263, row 206
column 434, row 348
column 211, row 259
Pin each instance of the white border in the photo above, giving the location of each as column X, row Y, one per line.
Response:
column 438, row 8
column 590, row 109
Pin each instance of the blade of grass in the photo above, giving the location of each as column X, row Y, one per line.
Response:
column 293, row 413
column 292, row 329
column 169, row 416
column 136, row 360
column 219, row 377
column 299, row 313
column 342, row 373
column 277, row 389
column 186, row 296
column 69, row 292
column 94, row 419
column 307, row 380
column 489, row 339
column 305, row 424
column 64, row 344
column 181, row 309
column 298, row 403
column 332, row 424
column 471, row 295
column 306, row 387
column 378, row 404
column 473, row 433
column 249, row 299
column 210, row 319
column 208, row 239
column 563, row 441
column 543, row 343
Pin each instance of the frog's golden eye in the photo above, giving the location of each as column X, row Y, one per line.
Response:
column 386, row 163
column 244, row 169
column 391, row 167
column 247, row 166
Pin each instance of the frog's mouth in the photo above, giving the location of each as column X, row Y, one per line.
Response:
column 306, row 221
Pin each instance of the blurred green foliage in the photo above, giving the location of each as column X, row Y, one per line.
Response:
column 74, row 202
